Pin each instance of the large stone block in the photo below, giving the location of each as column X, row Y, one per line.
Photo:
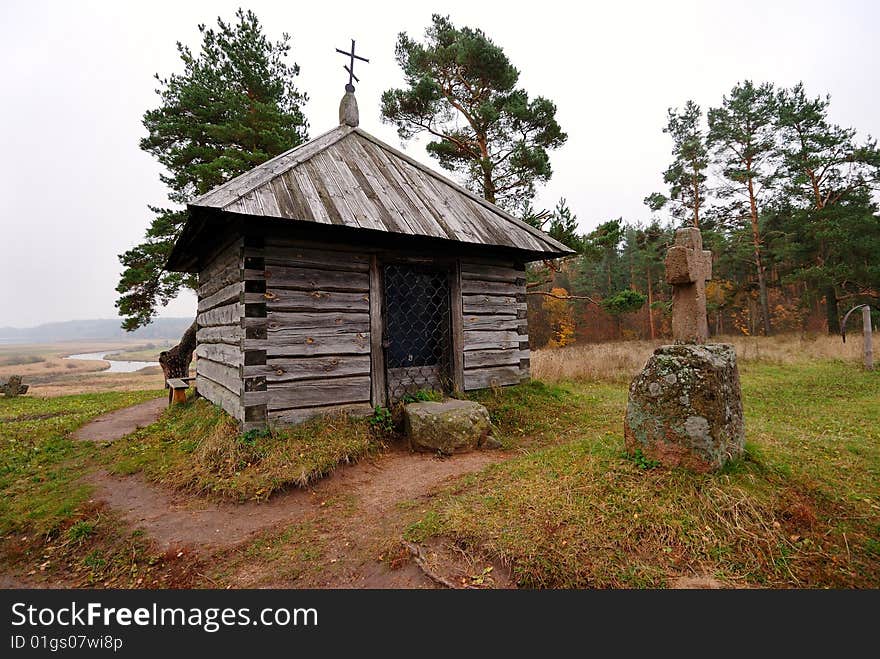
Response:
column 685, row 408
column 451, row 426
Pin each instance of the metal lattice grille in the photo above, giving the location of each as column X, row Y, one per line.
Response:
column 418, row 334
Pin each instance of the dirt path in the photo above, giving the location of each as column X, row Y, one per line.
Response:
column 119, row 423
column 372, row 490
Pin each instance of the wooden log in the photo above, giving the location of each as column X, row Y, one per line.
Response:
column 294, row 416
column 222, row 353
column 479, row 287
column 318, row 342
column 491, row 322
column 231, row 334
column 309, row 393
column 318, row 301
column 491, row 340
column 221, row 374
column 482, row 358
column 301, row 257
column 494, row 376
column 228, row 314
column 303, row 368
column 312, row 279
column 489, row 304
column 281, row 323
column 483, row 272
column 220, row 395
column 227, row 294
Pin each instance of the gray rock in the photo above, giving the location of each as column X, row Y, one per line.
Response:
column 451, row 426
column 685, row 408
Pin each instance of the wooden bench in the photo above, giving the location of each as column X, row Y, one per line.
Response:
column 177, row 389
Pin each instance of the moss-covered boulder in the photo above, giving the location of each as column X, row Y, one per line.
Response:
column 685, row 408
column 451, row 426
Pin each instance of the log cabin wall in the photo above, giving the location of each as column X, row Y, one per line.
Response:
column 286, row 327
column 220, row 332
column 496, row 341
column 318, row 331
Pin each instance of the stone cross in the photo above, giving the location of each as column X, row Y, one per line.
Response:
column 688, row 267
column 14, row 387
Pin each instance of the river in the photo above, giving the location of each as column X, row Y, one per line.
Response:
column 115, row 365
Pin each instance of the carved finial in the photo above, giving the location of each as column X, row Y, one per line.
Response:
column 348, row 108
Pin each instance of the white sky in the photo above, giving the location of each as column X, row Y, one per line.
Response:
column 76, row 78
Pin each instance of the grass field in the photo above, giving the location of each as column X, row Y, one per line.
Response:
column 563, row 507
column 801, row 509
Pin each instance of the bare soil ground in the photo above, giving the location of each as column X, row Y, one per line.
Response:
column 354, row 528
column 121, row 422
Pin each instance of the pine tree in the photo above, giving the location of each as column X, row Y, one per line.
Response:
column 234, row 106
column 461, row 90
column 829, row 181
column 686, row 175
column 742, row 141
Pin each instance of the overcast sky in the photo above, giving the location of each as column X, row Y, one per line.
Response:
column 76, row 79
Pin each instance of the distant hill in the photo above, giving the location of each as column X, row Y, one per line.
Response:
column 103, row 328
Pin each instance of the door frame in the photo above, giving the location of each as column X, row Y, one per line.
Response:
column 378, row 378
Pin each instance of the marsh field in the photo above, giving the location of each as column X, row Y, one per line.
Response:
column 189, row 502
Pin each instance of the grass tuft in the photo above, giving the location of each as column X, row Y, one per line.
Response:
column 197, row 447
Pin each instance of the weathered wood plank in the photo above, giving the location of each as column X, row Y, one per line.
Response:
column 496, row 322
column 288, row 417
column 483, row 272
column 231, row 334
column 229, row 314
column 228, row 293
column 378, row 391
column 222, row 353
column 314, row 279
column 330, row 391
column 455, row 310
column 278, row 321
column 278, row 253
column 489, row 304
column 219, row 373
column 280, row 332
column 481, row 358
column 277, row 370
column 321, row 301
column 480, row 287
column 494, row 376
column 491, row 340
column 316, row 342
column 220, row 395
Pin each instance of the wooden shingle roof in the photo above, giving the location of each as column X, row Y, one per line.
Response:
column 348, row 177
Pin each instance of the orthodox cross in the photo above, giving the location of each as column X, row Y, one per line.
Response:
column 350, row 66
column 688, row 266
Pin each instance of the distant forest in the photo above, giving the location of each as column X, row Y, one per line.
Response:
column 785, row 200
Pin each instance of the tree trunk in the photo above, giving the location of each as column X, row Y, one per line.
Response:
column 759, row 265
column 650, row 305
column 175, row 362
column 831, row 311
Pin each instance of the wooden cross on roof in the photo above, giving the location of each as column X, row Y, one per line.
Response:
column 350, row 66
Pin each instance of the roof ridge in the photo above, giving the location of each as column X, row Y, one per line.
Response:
column 475, row 197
